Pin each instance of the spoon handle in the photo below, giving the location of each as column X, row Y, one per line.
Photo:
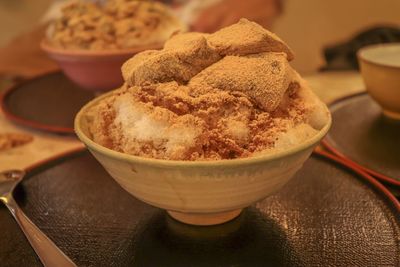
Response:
column 49, row 254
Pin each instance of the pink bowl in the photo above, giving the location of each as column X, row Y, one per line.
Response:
column 93, row 70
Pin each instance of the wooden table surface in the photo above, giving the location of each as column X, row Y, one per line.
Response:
column 328, row 86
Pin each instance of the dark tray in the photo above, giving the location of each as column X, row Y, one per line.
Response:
column 47, row 102
column 362, row 135
column 328, row 215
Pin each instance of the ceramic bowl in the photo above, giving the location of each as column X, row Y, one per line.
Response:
column 201, row 192
column 93, row 70
column 380, row 69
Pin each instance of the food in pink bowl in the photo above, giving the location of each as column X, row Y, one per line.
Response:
column 90, row 41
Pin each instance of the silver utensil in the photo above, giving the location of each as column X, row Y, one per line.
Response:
column 49, row 254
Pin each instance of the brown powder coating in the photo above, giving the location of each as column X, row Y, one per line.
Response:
column 118, row 24
column 204, row 97
column 183, row 56
column 263, row 77
column 12, row 140
column 219, row 115
column 246, row 37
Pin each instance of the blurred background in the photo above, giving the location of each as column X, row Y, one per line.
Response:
column 307, row 26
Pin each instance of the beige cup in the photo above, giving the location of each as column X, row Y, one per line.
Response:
column 380, row 69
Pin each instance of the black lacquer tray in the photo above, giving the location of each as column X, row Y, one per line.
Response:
column 361, row 134
column 48, row 102
column 328, row 215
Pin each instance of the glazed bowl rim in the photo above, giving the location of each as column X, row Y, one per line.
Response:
column 363, row 54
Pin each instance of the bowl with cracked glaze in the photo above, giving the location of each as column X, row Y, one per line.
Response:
column 199, row 192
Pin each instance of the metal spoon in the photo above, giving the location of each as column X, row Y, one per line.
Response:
column 49, row 254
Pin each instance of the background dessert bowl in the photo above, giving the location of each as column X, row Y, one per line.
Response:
column 380, row 69
column 90, row 40
column 199, row 192
column 97, row 70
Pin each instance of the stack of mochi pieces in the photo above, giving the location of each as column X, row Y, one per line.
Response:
column 230, row 94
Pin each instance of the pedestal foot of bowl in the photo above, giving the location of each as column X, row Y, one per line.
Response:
column 392, row 115
column 205, row 218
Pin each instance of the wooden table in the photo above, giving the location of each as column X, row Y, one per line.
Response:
column 328, row 86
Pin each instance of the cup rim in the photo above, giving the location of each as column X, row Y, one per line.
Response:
column 361, row 54
column 48, row 48
column 190, row 164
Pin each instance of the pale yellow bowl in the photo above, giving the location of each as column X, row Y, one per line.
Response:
column 201, row 192
column 380, row 69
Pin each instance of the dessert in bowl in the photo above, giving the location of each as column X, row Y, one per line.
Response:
column 380, row 69
column 208, row 125
column 90, row 41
